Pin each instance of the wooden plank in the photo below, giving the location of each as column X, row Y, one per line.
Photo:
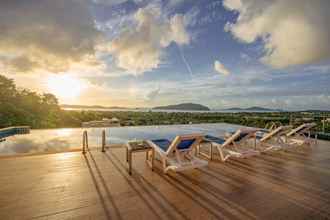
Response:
column 291, row 185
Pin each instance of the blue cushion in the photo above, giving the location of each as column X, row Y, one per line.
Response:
column 300, row 130
column 162, row 143
column 214, row 139
column 241, row 136
column 260, row 134
column 311, row 135
column 185, row 144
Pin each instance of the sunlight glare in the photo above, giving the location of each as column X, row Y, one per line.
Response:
column 64, row 132
column 64, row 86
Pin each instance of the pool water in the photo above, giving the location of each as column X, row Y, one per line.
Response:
column 56, row 140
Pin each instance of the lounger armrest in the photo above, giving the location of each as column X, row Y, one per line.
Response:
column 156, row 147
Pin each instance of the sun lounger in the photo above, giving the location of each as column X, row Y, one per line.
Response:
column 236, row 145
column 270, row 126
column 178, row 155
column 302, row 135
column 273, row 140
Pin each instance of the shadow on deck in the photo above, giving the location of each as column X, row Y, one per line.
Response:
column 281, row 185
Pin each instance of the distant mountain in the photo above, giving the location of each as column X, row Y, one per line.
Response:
column 315, row 110
column 184, row 106
column 91, row 107
column 254, row 109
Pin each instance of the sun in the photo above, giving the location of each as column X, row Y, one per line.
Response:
column 64, row 86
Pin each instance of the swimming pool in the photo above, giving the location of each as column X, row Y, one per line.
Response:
column 57, row 140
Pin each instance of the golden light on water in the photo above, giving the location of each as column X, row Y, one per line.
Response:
column 64, row 86
column 64, row 132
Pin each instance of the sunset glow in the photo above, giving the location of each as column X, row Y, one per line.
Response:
column 65, row 87
column 134, row 53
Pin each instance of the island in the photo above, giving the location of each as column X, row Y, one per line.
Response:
column 184, row 106
column 254, row 109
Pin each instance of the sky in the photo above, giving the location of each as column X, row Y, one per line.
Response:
column 144, row 53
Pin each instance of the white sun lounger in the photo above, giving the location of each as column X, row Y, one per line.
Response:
column 273, row 140
column 232, row 146
column 302, row 135
column 177, row 155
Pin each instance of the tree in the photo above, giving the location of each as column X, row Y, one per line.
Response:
column 7, row 89
column 24, row 107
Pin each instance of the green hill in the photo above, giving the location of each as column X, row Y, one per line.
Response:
column 184, row 106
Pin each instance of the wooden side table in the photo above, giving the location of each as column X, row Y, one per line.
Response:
column 139, row 146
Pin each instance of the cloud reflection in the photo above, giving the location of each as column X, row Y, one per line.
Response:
column 59, row 140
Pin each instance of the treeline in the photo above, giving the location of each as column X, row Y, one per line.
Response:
column 251, row 119
column 24, row 107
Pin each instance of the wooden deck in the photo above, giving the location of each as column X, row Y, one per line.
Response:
column 282, row 185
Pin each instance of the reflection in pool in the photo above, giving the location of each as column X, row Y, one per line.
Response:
column 55, row 140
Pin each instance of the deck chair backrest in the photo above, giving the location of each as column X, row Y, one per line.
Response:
column 275, row 133
column 301, row 129
column 239, row 136
column 185, row 143
column 307, row 128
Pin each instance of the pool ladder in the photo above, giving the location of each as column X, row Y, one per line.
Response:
column 85, row 147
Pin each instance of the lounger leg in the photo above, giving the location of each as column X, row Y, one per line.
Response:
column 211, row 151
column 152, row 159
column 126, row 154
column 315, row 140
column 221, row 154
column 255, row 142
column 164, row 165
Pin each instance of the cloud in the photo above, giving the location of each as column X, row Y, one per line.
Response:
column 22, row 145
column 48, row 35
column 245, row 57
column 174, row 3
column 139, row 49
column 318, row 68
column 191, row 17
column 152, row 94
column 109, row 2
column 294, row 32
column 220, row 68
column 20, row 63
